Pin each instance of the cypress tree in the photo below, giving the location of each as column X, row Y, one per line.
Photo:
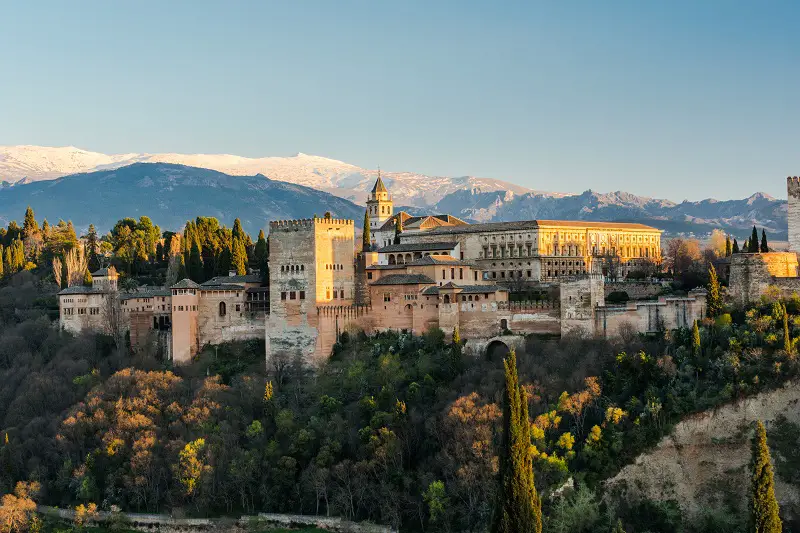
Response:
column 239, row 260
column 92, row 247
column 366, row 239
column 714, row 298
column 753, row 248
column 195, row 265
column 735, row 249
column 764, row 509
column 398, row 228
column 456, row 336
column 87, row 278
column 764, row 245
column 2, row 270
column 787, row 338
column 261, row 254
column 728, row 250
column 518, row 509
column 181, row 268
column 695, row 338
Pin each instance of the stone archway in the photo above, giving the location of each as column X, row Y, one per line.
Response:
column 497, row 349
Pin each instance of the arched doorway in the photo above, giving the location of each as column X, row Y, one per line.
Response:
column 497, row 350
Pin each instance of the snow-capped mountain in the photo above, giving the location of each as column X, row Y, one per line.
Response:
column 34, row 163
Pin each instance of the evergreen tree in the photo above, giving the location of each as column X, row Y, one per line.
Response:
column 728, row 250
column 456, row 337
column 398, row 228
column 30, row 227
column 239, row 260
column 618, row 528
column 764, row 245
column 87, row 278
column 261, row 254
column 518, row 509
column 2, row 270
column 92, row 248
column 181, row 268
column 195, row 265
column 238, row 232
column 787, row 338
column 753, row 248
column 46, row 230
column 735, row 249
column 764, row 517
column 366, row 239
column 695, row 338
column 714, row 298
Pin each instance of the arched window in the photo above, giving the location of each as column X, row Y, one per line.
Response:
column 222, row 310
column 447, row 298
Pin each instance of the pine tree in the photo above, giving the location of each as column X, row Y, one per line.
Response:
column 239, row 259
column 753, row 248
column 92, row 247
column 787, row 338
column 714, row 298
column 518, row 509
column 366, row 239
column 728, row 250
column 764, row 511
column 695, row 338
column 195, row 265
column 764, row 245
column 735, row 249
column 87, row 278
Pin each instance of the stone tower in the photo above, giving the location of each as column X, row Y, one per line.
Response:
column 379, row 205
column 793, row 191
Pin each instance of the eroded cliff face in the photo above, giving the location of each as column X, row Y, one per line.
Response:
column 704, row 462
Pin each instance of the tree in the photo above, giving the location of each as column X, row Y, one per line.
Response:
column 717, row 242
column 456, row 337
column 398, row 228
column 29, row 226
column 735, row 249
column 753, row 248
column 764, row 245
column 518, row 509
column 238, row 232
column 239, row 260
column 87, row 278
column 714, row 298
column 764, row 517
column 195, row 267
column 618, row 528
column 695, row 338
column 787, row 338
column 18, row 510
column 92, row 247
column 728, row 250
column 366, row 239
column 261, row 254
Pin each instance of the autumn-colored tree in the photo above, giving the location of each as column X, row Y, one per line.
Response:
column 17, row 511
column 239, row 259
column 87, row 278
column 716, row 242
column 191, row 468
column 84, row 514
column 681, row 254
column 728, row 249
column 714, row 298
column 577, row 404
column 456, row 337
column 764, row 511
column 518, row 509
column 695, row 338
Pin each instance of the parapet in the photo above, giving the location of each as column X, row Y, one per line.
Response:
column 793, row 186
column 306, row 223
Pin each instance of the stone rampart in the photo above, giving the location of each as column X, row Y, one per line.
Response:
column 752, row 275
column 636, row 290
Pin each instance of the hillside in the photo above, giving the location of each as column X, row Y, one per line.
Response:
column 170, row 195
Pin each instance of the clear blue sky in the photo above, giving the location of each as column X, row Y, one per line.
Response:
column 680, row 99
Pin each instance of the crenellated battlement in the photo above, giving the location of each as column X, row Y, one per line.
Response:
column 343, row 310
column 307, row 223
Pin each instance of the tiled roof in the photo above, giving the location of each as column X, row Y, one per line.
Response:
column 418, row 247
column 418, row 222
column 379, row 186
column 101, row 272
column 82, row 289
column 439, row 260
column 523, row 225
column 404, row 279
column 222, row 287
column 386, row 267
column 185, row 284
column 246, row 278
column 466, row 289
column 146, row 292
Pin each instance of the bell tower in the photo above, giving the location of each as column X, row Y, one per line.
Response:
column 379, row 204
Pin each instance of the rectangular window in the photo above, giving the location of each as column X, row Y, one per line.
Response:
column 460, row 273
column 302, row 295
column 292, row 295
column 369, row 275
column 452, row 273
column 443, row 276
column 387, row 297
column 283, row 295
column 238, row 307
column 502, row 274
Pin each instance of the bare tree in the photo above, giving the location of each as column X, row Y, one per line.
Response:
column 610, row 264
column 114, row 319
column 57, row 270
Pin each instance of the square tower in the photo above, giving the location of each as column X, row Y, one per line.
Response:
column 379, row 205
column 311, row 262
column 793, row 192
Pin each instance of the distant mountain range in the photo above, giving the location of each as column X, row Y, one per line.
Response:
column 170, row 195
column 262, row 189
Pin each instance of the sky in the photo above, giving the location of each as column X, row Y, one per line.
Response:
column 678, row 100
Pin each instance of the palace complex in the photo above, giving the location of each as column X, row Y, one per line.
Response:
column 491, row 281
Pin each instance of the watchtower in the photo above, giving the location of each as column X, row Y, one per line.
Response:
column 379, row 205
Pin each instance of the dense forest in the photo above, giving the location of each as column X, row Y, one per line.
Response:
column 396, row 429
